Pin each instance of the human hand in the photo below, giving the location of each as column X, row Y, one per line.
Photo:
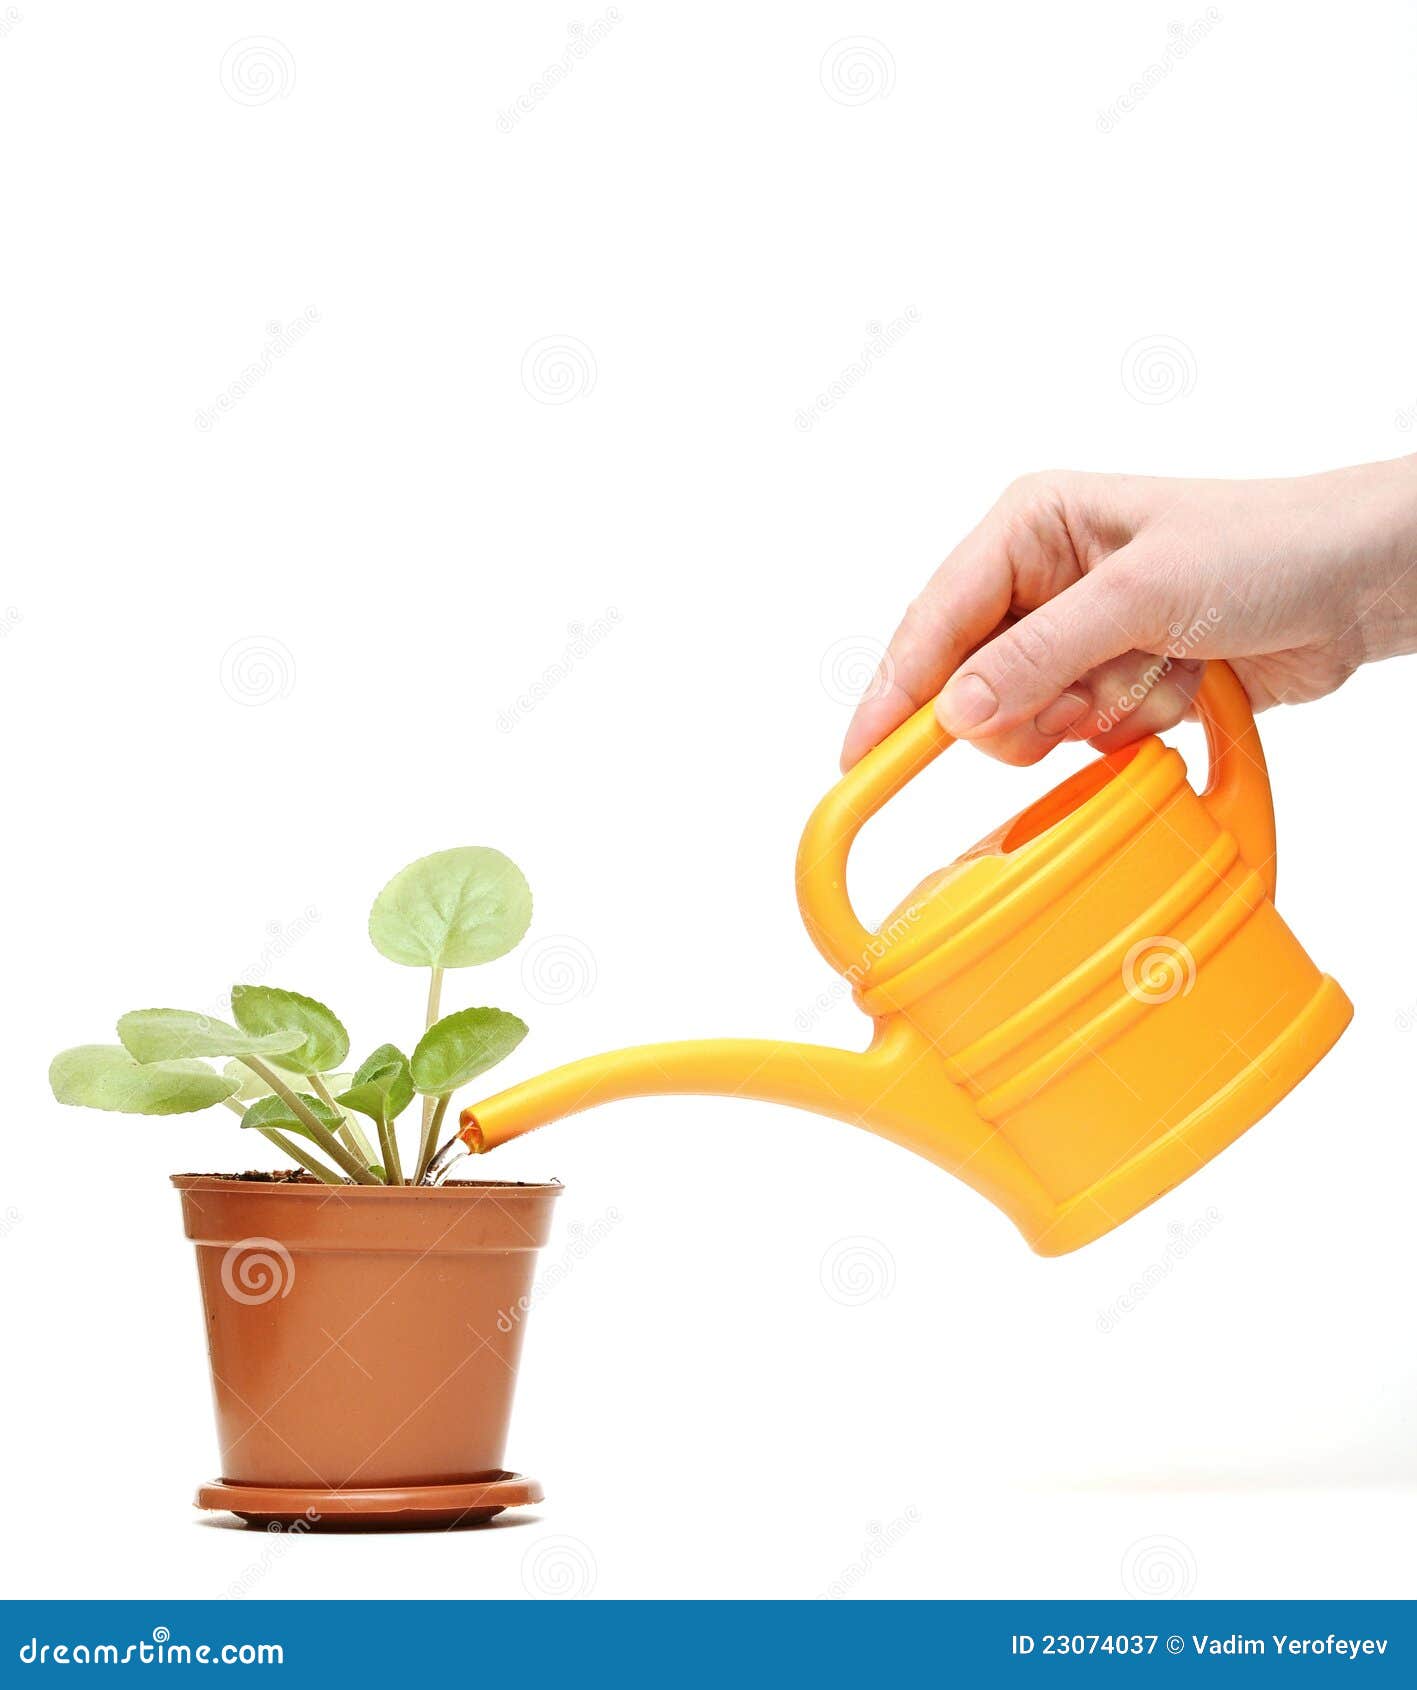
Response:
column 1084, row 606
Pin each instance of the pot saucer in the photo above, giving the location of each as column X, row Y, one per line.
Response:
column 381, row 1508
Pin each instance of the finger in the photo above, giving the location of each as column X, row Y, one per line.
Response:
column 963, row 602
column 1167, row 702
column 1054, row 725
column 1012, row 679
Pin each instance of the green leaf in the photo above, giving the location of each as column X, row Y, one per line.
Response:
column 382, row 1087
column 452, row 909
column 107, row 1077
column 253, row 1086
column 462, row 1046
column 161, row 1035
column 267, row 1009
column 276, row 1112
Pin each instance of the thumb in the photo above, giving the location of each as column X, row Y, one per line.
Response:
column 1009, row 680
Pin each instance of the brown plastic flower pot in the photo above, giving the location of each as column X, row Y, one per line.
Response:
column 364, row 1344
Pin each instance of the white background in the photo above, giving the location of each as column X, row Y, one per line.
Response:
column 402, row 530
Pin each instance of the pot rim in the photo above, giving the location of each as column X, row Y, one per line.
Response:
column 453, row 1189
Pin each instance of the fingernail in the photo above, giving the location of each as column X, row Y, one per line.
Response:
column 1059, row 716
column 967, row 702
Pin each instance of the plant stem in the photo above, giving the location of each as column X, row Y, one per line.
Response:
column 430, row 1135
column 435, row 995
column 389, row 1144
column 291, row 1148
column 351, row 1134
column 312, row 1123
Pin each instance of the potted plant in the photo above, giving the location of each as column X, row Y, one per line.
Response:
column 363, row 1362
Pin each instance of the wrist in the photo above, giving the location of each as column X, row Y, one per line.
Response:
column 1379, row 551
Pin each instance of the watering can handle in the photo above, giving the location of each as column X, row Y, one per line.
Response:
column 1237, row 795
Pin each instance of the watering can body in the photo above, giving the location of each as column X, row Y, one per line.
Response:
column 1072, row 1017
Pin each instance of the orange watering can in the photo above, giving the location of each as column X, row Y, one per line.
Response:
column 1072, row 1017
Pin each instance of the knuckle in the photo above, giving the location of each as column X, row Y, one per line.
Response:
column 1030, row 646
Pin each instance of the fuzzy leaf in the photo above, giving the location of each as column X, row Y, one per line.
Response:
column 164, row 1035
column 275, row 1112
column 107, row 1077
column 461, row 1046
column 268, row 1009
column 253, row 1086
column 382, row 1087
column 452, row 909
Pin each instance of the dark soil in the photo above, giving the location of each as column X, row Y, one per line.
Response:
column 298, row 1176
